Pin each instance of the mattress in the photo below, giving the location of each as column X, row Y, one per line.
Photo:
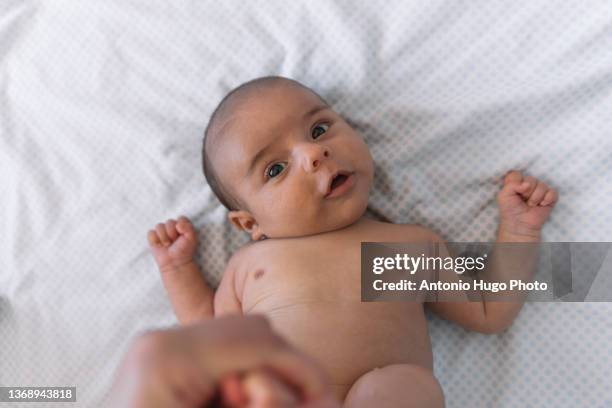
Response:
column 103, row 110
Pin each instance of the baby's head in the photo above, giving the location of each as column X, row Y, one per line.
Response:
column 283, row 162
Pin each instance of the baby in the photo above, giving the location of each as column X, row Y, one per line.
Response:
column 296, row 177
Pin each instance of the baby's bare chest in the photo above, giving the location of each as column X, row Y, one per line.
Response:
column 322, row 268
column 302, row 273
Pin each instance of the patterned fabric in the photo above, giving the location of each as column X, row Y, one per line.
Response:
column 103, row 109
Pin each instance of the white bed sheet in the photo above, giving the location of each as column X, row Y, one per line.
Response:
column 103, row 109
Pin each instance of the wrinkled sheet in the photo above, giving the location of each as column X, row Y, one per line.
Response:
column 103, row 109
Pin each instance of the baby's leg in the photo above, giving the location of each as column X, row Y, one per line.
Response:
column 398, row 385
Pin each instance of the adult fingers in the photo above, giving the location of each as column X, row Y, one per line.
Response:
column 301, row 372
column 235, row 343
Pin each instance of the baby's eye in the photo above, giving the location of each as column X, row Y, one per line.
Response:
column 274, row 170
column 319, row 130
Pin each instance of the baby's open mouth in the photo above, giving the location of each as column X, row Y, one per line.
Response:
column 337, row 182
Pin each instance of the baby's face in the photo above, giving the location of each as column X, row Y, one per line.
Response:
column 297, row 165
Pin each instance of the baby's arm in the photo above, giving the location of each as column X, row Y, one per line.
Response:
column 227, row 300
column 173, row 245
column 190, row 295
column 525, row 204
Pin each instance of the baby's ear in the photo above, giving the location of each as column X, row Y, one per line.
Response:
column 243, row 220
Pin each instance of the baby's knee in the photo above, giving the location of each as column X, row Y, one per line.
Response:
column 422, row 382
column 398, row 385
column 415, row 384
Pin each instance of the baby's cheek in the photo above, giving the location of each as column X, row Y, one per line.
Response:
column 291, row 213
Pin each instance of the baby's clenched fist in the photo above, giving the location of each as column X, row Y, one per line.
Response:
column 524, row 204
column 173, row 243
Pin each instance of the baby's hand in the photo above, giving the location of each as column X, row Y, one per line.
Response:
column 524, row 204
column 173, row 244
column 257, row 389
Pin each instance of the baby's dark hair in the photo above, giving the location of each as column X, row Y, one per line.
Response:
column 221, row 112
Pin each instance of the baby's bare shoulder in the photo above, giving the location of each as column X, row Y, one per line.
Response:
column 248, row 254
column 241, row 256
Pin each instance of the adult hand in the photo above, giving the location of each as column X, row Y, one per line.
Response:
column 182, row 367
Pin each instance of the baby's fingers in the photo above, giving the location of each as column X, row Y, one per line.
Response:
column 550, row 198
column 185, row 227
column 161, row 233
column 530, row 183
column 171, row 230
column 513, row 176
column 513, row 188
column 538, row 194
column 265, row 390
column 153, row 238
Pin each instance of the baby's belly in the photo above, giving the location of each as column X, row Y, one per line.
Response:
column 352, row 338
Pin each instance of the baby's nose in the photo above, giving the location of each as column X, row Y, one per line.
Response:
column 313, row 155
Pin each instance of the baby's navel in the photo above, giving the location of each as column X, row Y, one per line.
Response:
column 259, row 273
